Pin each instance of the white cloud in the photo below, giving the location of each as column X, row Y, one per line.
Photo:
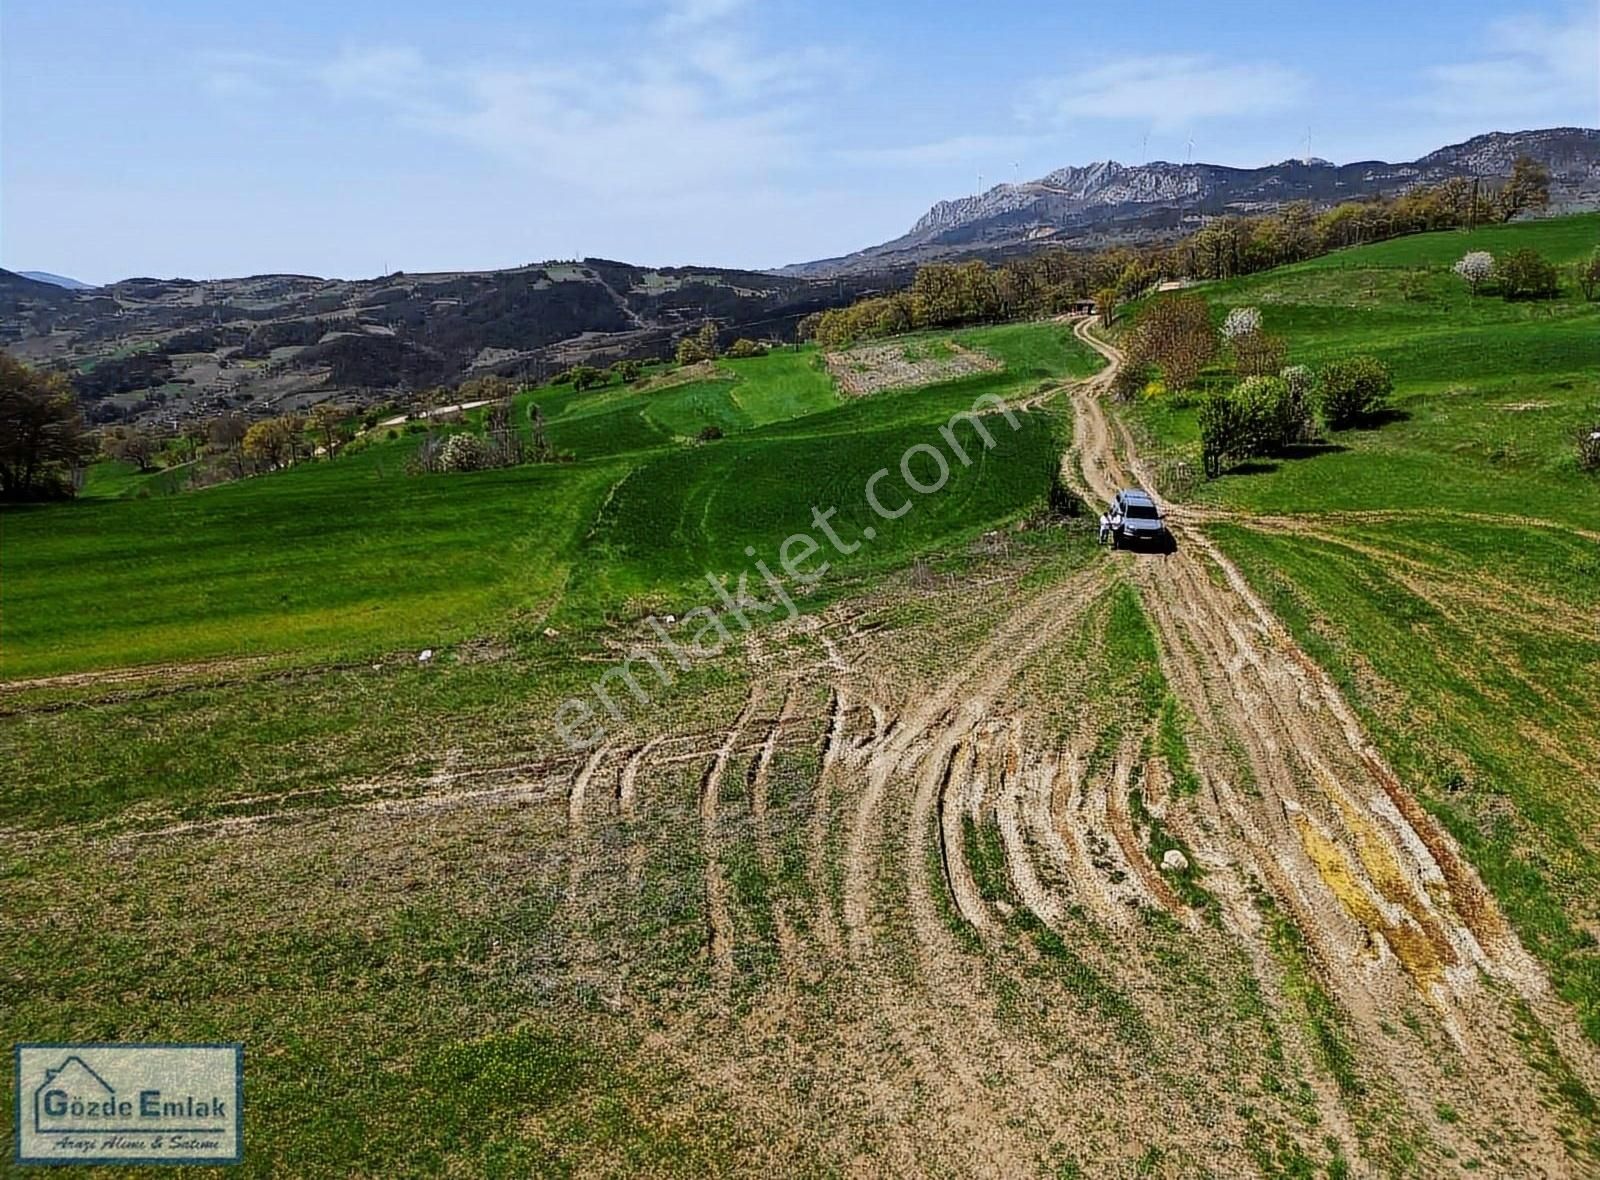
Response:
column 1534, row 68
column 1166, row 91
column 395, row 74
column 239, row 76
column 684, row 15
column 939, row 153
column 698, row 102
column 655, row 131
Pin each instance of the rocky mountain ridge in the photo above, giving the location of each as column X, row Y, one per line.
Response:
column 1104, row 202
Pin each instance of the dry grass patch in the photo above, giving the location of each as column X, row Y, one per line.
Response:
column 873, row 368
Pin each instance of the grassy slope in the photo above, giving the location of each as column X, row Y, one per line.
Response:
column 334, row 561
column 1458, row 362
column 1471, row 645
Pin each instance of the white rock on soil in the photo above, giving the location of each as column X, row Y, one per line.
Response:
column 1173, row 861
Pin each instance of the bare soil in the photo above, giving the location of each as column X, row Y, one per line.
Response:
column 873, row 368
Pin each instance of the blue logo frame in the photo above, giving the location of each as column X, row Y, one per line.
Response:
column 68, row 1048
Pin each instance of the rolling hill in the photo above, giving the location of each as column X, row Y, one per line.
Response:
column 160, row 349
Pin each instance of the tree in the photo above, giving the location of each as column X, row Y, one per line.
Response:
column 1105, row 302
column 1299, row 387
column 1241, row 321
column 294, row 427
column 1255, row 353
column 464, row 452
column 194, row 435
column 744, row 347
column 267, row 442
column 706, row 338
column 690, row 351
column 129, row 444
column 227, row 430
column 1175, row 334
column 1270, row 415
column 1589, row 275
column 626, row 371
column 1588, row 445
column 1528, row 188
column 541, row 445
column 1475, row 269
column 326, row 420
column 1259, row 354
column 1259, row 416
column 1349, row 391
column 585, row 377
column 42, row 440
column 1527, row 274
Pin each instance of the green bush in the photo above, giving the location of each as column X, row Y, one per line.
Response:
column 1527, row 274
column 1350, row 391
column 1262, row 402
column 1259, row 416
column 1222, row 431
column 1299, row 390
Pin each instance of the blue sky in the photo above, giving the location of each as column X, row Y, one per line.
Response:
column 204, row 139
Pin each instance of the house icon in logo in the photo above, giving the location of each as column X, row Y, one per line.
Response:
column 72, row 1097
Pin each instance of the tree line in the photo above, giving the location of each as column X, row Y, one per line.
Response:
column 944, row 294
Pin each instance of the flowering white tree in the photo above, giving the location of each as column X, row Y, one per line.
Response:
column 1476, row 268
column 464, row 452
column 1241, row 321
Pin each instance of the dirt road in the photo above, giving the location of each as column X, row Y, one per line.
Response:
column 1297, row 802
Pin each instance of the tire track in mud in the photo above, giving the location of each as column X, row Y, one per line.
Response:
column 985, row 673
column 953, row 801
column 832, row 766
column 941, row 1024
column 760, row 773
column 1388, row 905
column 719, row 922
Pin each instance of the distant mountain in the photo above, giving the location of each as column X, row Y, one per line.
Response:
column 1108, row 202
column 44, row 276
column 18, row 293
column 160, row 349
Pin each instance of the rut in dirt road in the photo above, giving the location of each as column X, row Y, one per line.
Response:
column 1297, row 802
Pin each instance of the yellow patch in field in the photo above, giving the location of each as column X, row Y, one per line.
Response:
column 1418, row 953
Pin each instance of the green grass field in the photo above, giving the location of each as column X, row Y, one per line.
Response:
column 332, row 562
column 482, row 980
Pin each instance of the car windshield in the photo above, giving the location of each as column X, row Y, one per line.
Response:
column 1143, row 512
